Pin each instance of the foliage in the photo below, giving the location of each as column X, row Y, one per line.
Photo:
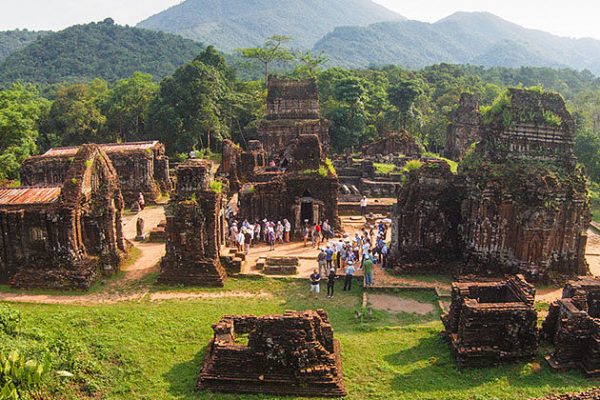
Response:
column 149, row 349
column 9, row 319
column 412, row 165
column 127, row 105
column 21, row 108
column 330, row 167
column 102, row 49
column 216, row 186
column 587, row 150
column 453, row 164
column 11, row 41
column 384, row 169
column 20, row 378
column 272, row 50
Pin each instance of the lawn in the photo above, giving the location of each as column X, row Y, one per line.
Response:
column 154, row 350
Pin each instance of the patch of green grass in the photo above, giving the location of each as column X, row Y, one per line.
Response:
column 453, row 164
column 384, row 169
column 154, row 350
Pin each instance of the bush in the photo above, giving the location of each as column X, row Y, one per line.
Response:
column 216, row 186
column 20, row 379
column 9, row 319
column 412, row 165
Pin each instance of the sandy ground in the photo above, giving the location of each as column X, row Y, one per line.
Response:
column 395, row 304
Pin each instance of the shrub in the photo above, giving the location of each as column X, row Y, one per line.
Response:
column 9, row 319
column 216, row 186
column 412, row 165
column 20, row 379
column 384, row 169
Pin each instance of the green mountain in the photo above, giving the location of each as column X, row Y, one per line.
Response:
column 11, row 41
column 462, row 38
column 231, row 24
column 102, row 49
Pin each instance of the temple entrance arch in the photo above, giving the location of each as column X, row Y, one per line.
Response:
column 307, row 208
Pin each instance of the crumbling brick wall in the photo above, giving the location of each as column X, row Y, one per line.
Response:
column 425, row 233
column 290, row 354
column 292, row 110
column 64, row 236
column 491, row 322
column 463, row 130
column 395, row 143
column 573, row 326
column 194, row 231
column 142, row 167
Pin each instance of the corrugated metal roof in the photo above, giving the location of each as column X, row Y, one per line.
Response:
column 108, row 148
column 29, row 195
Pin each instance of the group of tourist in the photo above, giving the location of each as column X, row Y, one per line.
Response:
column 346, row 255
column 317, row 233
column 244, row 235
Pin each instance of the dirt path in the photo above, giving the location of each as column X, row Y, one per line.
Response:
column 395, row 304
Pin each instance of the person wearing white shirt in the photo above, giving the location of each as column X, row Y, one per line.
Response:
column 363, row 206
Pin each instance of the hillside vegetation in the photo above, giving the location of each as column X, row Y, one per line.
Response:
column 11, row 41
column 230, row 24
column 462, row 38
column 103, row 49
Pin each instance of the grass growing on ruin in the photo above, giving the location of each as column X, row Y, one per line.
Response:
column 384, row 169
column 153, row 350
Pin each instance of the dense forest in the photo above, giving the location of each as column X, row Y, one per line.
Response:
column 102, row 49
column 205, row 101
column 11, row 41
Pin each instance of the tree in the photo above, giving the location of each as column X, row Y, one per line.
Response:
column 272, row 50
column 587, row 150
column 127, row 106
column 308, row 65
column 21, row 108
column 403, row 95
column 76, row 116
column 187, row 113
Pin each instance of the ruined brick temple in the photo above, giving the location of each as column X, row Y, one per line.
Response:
column 521, row 199
column 425, row 227
column 400, row 143
column 195, row 228
column 491, row 322
column 141, row 167
column 67, row 235
column 286, row 174
column 463, row 130
column 290, row 354
column 292, row 110
column 573, row 326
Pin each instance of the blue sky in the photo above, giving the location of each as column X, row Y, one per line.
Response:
column 573, row 18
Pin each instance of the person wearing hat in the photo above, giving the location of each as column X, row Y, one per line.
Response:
column 363, row 206
column 349, row 276
column 306, row 232
column 331, row 283
column 322, row 260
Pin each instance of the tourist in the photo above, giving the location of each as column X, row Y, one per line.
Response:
column 331, row 283
column 318, row 232
column 315, row 280
column 257, row 230
column 279, row 232
column 326, row 229
column 363, row 206
column 271, row 237
column 141, row 201
column 233, row 232
column 349, row 276
column 329, row 259
column 322, row 260
column 314, row 236
column 384, row 255
column 339, row 246
column 367, row 266
column 247, row 241
column 240, row 239
column 287, row 227
column 306, row 234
